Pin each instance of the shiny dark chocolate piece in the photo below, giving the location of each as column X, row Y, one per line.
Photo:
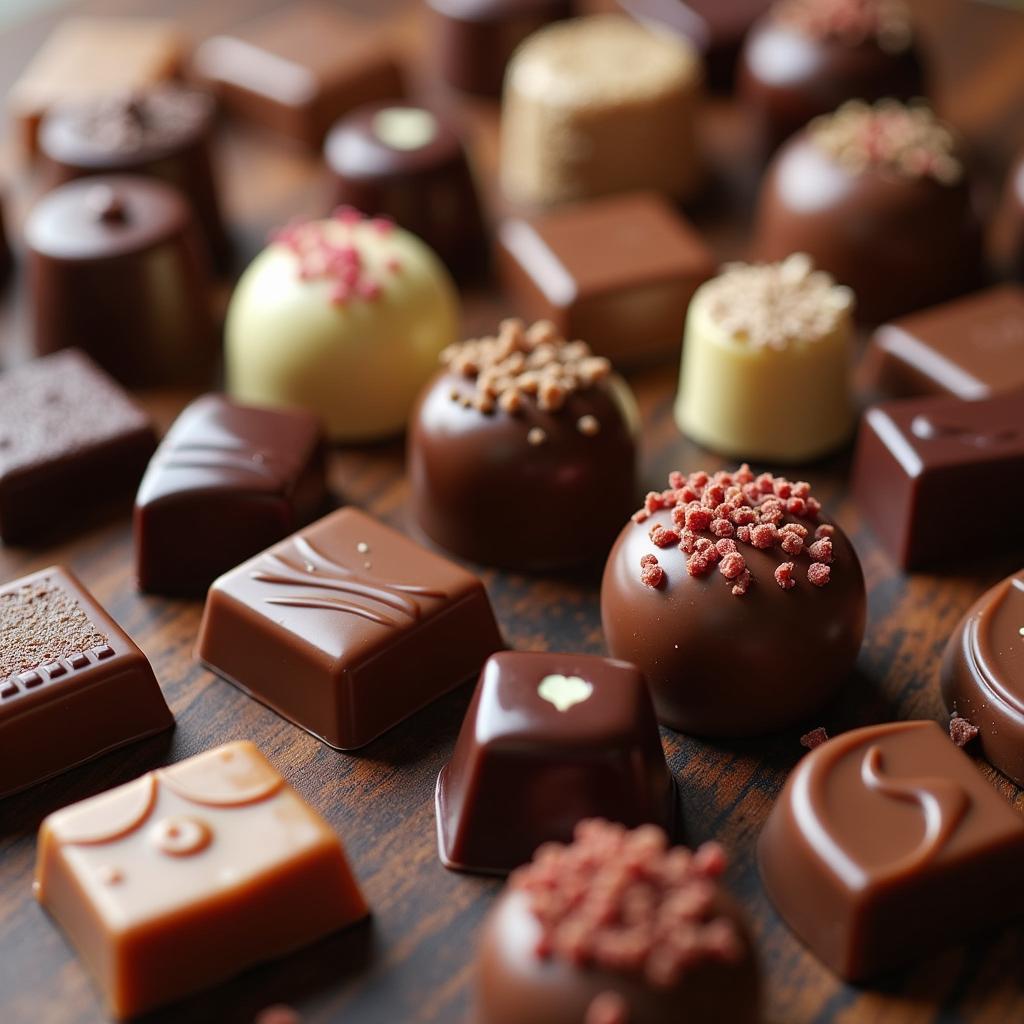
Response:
column 473, row 39
column 408, row 163
column 923, row 468
column 982, row 674
column 347, row 627
column 300, row 68
column 117, row 268
column 1007, row 233
column 549, row 740
column 617, row 272
column 227, row 481
column 70, row 438
column 969, row 348
column 875, row 838
column 73, row 685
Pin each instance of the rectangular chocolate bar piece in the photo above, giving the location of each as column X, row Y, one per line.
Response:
column 69, row 437
column 189, row 875
column 347, row 627
column 73, row 685
column 970, row 348
column 926, row 471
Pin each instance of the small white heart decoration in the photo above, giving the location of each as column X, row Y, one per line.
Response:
column 564, row 691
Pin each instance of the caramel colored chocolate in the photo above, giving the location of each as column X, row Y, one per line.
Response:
column 191, row 874
column 982, row 674
column 70, row 439
column 227, row 481
column 300, row 68
column 618, row 272
column 549, row 739
column 876, row 841
column 73, row 685
column 922, row 470
column 347, row 628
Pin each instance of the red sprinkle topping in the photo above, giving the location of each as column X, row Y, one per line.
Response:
column 961, row 732
column 784, row 575
column 732, row 565
column 818, row 574
column 814, row 738
column 607, row 1008
column 651, row 574
column 663, row 536
column 821, row 550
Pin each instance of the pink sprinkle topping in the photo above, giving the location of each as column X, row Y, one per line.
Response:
column 732, row 565
column 814, row 738
column 961, row 732
column 818, row 574
column 607, row 1008
column 784, row 576
column 663, row 536
column 821, row 550
column 651, row 574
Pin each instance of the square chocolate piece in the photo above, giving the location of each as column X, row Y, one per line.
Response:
column 969, row 348
column 298, row 69
column 227, row 481
column 347, row 627
column 191, row 874
column 926, row 471
column 73, row 685
column 69, row 437
column 618, row 272
column 887, row 843
column 549, row 740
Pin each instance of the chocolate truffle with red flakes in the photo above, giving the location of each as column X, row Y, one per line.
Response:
column 617, row 928
column 522, row 450
column 743, row 608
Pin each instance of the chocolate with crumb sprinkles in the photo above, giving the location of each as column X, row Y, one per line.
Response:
column 814, row 738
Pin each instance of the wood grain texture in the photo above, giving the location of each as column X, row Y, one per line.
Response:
column 413, row 961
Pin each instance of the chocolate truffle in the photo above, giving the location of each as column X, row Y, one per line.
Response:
column 344, row 317
column 164, row 131
column 408, row 163
column 878, row 196
column 6, row 261
column 807, row 57
column 982, row 674
column 721, row 579
column 617, row 927
column 522, row 450
column 117, row 268
column 1008, row 226
column 619, row 271
column 875, row 838
column 759, row 340
column 597, row 105
column 550, row 739
column 227, row 481
column 473, row 39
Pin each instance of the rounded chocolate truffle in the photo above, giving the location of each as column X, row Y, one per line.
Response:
column 877, row 196
column 1008, row 226
column 408, row 163
column 742, row 608
column 807, row 57
column 164, row 131
column 617, row 927
column 117, row 268
column 522, row 451
column 344, row 317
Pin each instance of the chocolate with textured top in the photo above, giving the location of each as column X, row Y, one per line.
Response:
column 69, row 438
column 877, row 835
column 347, row 628
column 227, row 481
column 73, row 685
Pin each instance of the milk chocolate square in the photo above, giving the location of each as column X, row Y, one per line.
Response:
column 617, row 272
column 191, row 874
column 887, row 843
column 347, row 627
column 70, row 437
column 73, row 685
column 299, row 68
column 227, row 481
column 969, row 348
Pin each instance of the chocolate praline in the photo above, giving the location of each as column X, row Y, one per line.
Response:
column 1008, row 226
column 542, row 487
column 725, row 663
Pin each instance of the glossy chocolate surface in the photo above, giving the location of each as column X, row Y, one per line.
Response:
column 874, row 835
column 617, row 272
column 923, row 464
column 227, row 481
column 1008, row 225
column 982, row 674
column 408, row 163
column 70, row 438
column 117, row 269
column 347, row 627
column 73, row 685
column 549, row 740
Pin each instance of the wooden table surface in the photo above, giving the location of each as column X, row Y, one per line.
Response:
column 413, row 960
